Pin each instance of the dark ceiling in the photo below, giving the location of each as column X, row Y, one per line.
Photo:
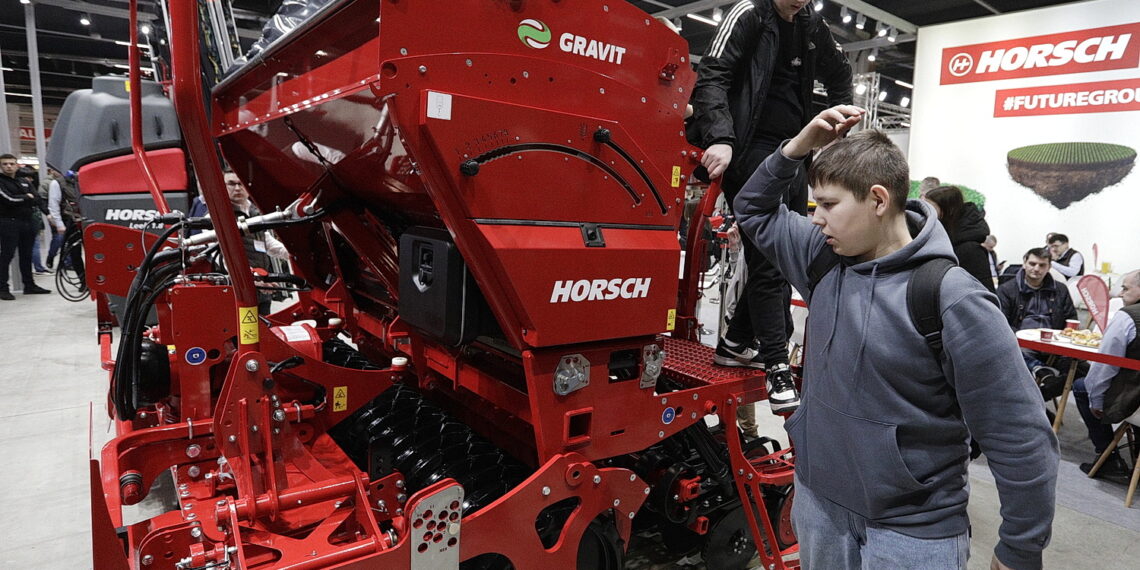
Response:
column 71, row 52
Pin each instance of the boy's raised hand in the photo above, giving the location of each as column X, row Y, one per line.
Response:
column 827, row 126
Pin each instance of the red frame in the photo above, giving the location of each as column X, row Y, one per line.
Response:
column 282, row 472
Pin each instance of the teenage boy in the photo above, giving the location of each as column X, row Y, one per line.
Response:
column 882, row 432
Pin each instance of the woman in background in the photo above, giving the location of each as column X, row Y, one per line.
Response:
column 967, row 227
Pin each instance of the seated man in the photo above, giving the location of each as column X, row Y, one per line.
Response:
column 1068, row 261
column 1033, row 299
column 1119, row 340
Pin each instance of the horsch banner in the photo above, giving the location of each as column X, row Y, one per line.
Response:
column 1038, row 111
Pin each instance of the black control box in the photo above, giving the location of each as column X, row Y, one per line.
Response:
column 437, row 294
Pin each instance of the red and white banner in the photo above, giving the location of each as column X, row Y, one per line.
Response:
column 1068, row 73
column 1094, row 293
column 1081, row 51
column 29, row 133
column 1097, row 97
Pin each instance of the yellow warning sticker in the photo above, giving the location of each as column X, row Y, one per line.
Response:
column 127, row 85
column 340, row 398
column 676, row 181
column 671, row 320
column 247, row 325
column 171, row 349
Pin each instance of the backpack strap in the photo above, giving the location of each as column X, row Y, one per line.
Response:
column 821, row 265
column 923, row 291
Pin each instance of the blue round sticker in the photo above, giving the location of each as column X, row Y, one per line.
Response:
column 195, row 356
column 668, row 415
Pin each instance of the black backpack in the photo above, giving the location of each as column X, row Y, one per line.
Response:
column 923, row 291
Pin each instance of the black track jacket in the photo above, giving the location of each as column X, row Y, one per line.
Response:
column 735, row 72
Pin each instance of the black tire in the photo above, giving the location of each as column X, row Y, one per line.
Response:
column 728, row 544
column 601, row 547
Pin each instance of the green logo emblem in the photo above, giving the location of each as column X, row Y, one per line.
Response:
column 534, row 33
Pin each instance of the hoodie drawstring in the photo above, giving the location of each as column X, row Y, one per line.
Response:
column 835, row 303
column 867, row 315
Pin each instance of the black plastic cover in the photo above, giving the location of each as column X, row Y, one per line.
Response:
column 437, row 294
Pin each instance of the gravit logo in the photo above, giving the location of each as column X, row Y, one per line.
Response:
column 1097, row 49
column 600, row 289
column 534, row 33
column 961, row 64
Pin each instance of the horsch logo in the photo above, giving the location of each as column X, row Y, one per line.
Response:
column 599, row 289
column 1097, row 49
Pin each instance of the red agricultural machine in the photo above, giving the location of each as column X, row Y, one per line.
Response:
column 491, row 363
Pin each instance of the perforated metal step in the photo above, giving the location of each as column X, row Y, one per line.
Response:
column 691, row 364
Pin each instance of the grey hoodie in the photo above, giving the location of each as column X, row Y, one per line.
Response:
column 883, row 426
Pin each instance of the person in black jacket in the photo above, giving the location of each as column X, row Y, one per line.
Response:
column 17, row 230
column 1033, row 299
column 967, row 227
column 753, row 91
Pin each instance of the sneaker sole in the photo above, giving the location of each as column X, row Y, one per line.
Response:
column 785, row 407
column 732, row 362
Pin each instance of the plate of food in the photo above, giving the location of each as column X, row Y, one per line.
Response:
column 1081, row 337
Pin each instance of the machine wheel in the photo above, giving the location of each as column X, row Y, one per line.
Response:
column 601, row 547
column 779, row 503
column 728, row 544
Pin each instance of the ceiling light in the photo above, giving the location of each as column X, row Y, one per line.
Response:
column 718, row 14
column 25, row 1
column 845, row 15
column 905, row 101
column 818, row 5
column 85, row 20
column 904, row 84
column 860, row 21
column 882, row 95
column 873, row 55
column 880, row 29
column 145, row 29
column 861, row 88
column 703, row 19
column 893, row 35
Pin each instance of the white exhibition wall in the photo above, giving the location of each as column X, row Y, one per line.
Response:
column 1064, row 74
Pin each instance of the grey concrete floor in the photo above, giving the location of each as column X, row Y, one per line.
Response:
column 53, row 412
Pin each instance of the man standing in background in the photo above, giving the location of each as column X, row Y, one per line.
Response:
column 753, row 91
column 17, row 230
column 1067, row 260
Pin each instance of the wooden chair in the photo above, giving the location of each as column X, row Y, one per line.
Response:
column 1126, row 425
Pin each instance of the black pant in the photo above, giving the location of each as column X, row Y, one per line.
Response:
column 16, row 235
column 764, row 311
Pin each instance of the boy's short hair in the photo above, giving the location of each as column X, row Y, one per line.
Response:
column 1058, row 238
column 7, row 156
column 1038, row 252
column 860, row 161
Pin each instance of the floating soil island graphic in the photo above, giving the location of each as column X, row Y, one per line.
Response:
column 1064, row 173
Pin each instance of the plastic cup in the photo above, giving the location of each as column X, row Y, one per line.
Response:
column 1072, row 324
column 1046, row 335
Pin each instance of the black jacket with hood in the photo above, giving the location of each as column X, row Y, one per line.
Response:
column 736, row 71
column 967, row 236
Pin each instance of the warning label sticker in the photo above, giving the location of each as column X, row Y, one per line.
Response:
column 247, row 325
column 676, row 180
column 671, row 320
column 340, row 398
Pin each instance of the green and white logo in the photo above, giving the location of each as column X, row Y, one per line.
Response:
column 534, row 33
